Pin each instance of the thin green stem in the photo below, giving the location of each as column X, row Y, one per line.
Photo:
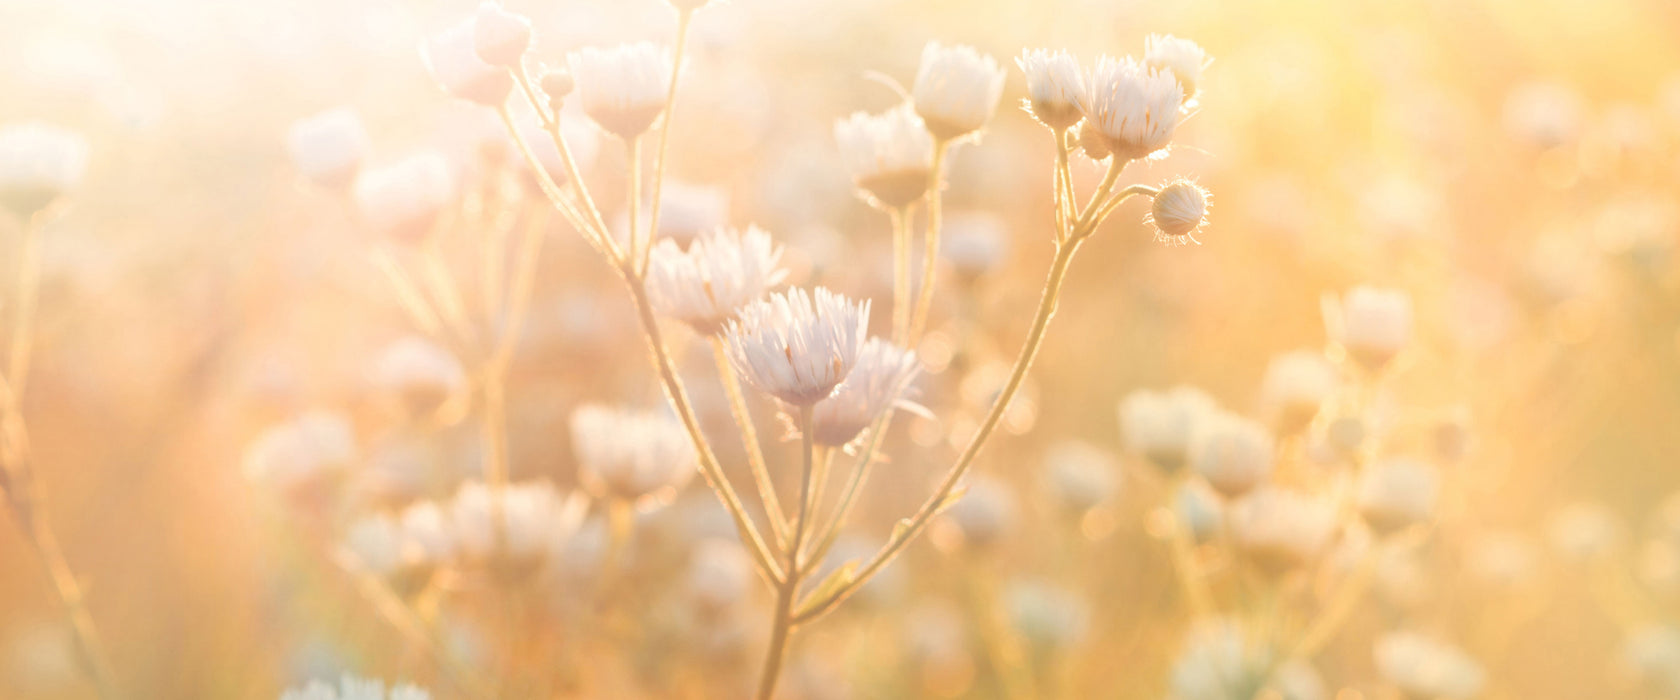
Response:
column 930, row 255
column 749, row 437
column 683, row 17
column 901, row 273
column 783, row 624
column 710, row 470
column 910, row 528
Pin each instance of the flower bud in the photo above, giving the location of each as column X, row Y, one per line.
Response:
column 329, row 148
column 38, row 165
column 1397, row 493
column 500, row 37
column 452, row 57
column 957, row 90
column 1371, row 324
column 557, row 83
column 1178, row 210
column 1234, row 454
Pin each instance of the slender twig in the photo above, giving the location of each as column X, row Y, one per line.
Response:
column 592, row 231
column 683, row 17
column 901, row 273
column 788, row 591
column 930, row 255
column 749, row 437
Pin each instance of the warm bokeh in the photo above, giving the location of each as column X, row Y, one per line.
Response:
column 1512, row 166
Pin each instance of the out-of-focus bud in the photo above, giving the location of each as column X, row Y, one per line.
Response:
column 1297, row 384
column 510, row 531
column 1159, row 425
column 1049, row 618
column 1371, row 324
column 1178, row 210
column 984, row 515
column 636, row 457
column 402, row 200
column 1346, row 434
column 1232, row 453
column 887, row 154
column 452, row 57
column 957, row 90
column 500, row 37
column 1281, row 530
column 1180, row 57
column 720, row 575
column 1422, row 667
column 1501, row 560
column 1451, row 434
column 420, row 374
column 557, row 83
column 1651, row 657
column 623, row 88
column 304, row 458
column 1396, row 493
column 1584, row 532
column 39, row 164
column 329, row 148
column 1079, row 476
column 974, row 242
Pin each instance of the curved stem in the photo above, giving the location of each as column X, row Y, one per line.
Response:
column 788, row 591
column 23, row 328
column 829, row 531
column 678, row 397
column 749, row 437
column 901, row 273
column 930, row 256
column 907, row 530
column 683, row 17
column 592, row 229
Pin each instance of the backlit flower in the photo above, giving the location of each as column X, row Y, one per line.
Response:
column 957, row 90
column 720, row 272
column 798, row 347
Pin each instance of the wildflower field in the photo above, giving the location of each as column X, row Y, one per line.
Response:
column 831, row 349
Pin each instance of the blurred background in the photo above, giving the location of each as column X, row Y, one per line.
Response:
column 1511, row 164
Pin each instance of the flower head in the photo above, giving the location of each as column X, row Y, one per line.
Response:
column 957, row 90
column 1234, row 454
column 638, row 457
column 1134, row 109
column 39, row 164
column 1397, row 492
column 1372, row 324
column 880, row 378
column 1223, row 661
column 500, row 37
column 421, row 374
column 1159, row 425
column 1427, row 668
column 798, row 347
column 329, row 148
column 453, row 59
column 1079, row 475
column 1280, row 529
column 1180, row 57
column 888, row 154
column 719, row 273
column 402, row 200
column 405, row 550
column 1178, row 210
column 304, row 455
column 985, row 513
column 1047, row 616
column 352, row 688
column 1054, row 83
column 623, row 88
column 1296, row 385
column 516, row 533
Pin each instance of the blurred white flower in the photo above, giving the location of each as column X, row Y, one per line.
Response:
column 402, row 200
column 1501, row 559
column 1397, row 492
column 1177, row 211
column 1199, row 509
column 984, row 514
column 453, row 59
column 623, row 88
column 642, row 458
column 888, row 155
column 720, row 272
column 720, row 575
column 39, row 163
column 974, row 242
column 421, row 374
column 302, row 456
column 1651, row 655
column 957, row 90
column 1296, row 386
column 1543, row 115
column 1222, row 661
column 329, row 148
column 879, row 379
column 500, row 37
column 1232, row 453
column 1281, row 529
column 1158, row 425
column 404, row 550
column 796, row 346
column 1423, row 667
column 1048, row 617
column 1079, row 476
column 352, row 688
column 1054, row 83
column 1180, row 57
column 1584, row 531
column 1133, row 108
column 532, row 517
column 1371, row 323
